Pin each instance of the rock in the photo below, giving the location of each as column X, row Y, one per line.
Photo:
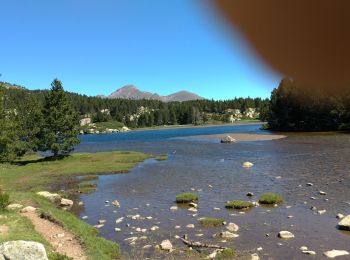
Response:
column 190, row 226
column 217, row 209
column 131, row 239
column 119, row 220
column 66, row 203
column 80, row 203
column 313, row 208
column 99, row 226
column 334, row 253
column 308, row 252
column 194, row 205
column 309, row 184
column 321, row 211
column 339, row 216
column 232, row 227
column 53, row 197
column 212, row 255
column 154, row 228
column 23, row 250
column 14, row 206
column 166, row 245
column 285, row 234
column 28, row 209
column 247, row 165
column 228, row 139
column 149, row 217
column 173, row 208
column 192, row 209
column 84, row 217
column 177, row 227
column 344, row 224
column 116, row 203
column 303, row 248
column 255, row 256
column 117, row 229
column 101, row 221
column 259, row 249
column 322, row 193
column 226, row 235
column 250, row 194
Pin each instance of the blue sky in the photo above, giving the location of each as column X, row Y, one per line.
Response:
column 95, row 47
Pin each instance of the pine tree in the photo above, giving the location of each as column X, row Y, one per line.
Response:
column 60, row 130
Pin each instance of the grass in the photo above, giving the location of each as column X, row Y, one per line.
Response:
column 186, row 197
column 58, row 256
column 211, row 222
column 227, row 253
column 43, row 174
column 161, row 157
column 270, row 198
column 238, row 204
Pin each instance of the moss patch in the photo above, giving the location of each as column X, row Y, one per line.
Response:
column 211, row 222
column 186, row 197
column 239, row 204
column 270, row 198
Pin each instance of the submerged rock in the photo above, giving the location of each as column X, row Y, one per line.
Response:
column 344, row 224
column 255, row 256
column 173, row 208
column 226, row 235
column 228, row 139
column 334, row 253
column 339, row 216
column 116, row 203
column 232, row 227
column 285, row 235
column 24, row 250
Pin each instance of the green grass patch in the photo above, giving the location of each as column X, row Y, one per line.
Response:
column 186, row 197
column 89, row 178
column 58, row 256
column 239, row 204
column 211, row 222
column 161, row 157
column 227, row 253
column 270, row 198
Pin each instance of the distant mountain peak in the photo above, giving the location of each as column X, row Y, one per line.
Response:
column 132, row 92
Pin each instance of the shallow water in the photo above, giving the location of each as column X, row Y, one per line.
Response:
column 195, row 164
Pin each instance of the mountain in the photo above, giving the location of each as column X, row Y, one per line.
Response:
column 131, row 92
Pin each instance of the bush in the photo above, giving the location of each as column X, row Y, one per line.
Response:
column 186, row 197
column 4, row 200
column 238, row 204
column 227, row 253
column 212, row 222
column 270, row 198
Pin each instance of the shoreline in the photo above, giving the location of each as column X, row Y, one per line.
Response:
column 239, row 137
column 170, row 127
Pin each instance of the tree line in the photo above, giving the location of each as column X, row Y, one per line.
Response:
column 294, row 107
column 27, row 125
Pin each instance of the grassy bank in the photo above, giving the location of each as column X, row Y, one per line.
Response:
column 33, row 173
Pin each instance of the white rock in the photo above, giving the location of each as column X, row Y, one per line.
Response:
column 173, row 208
column 216, row 208
column 28, row 209
column 117, row 229
column 192, row 209
column 131, row 239
column 339, row 216
column 53, row 197
column 166, row 245
column 190, row 226
column 303, row 248
column 154, row 228
column 344, row 224
column 322, row 193
column 116, row 203
column 285, row 234
column 147, row 246
column 321, row 211
column 247, row 165
column 334, row 253
column 255, row 256
column 308, row 252
column 119, row 220
column 232, row 227
column 66, row 203
column 194, row 205
column 228, row 139
column 99, row 226
column 22, row 250
column 226, row 235
column 14, row 206
column 309, row 184
column 101, row 221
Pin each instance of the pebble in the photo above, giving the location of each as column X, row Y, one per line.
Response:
column 190, row 226
column 173, row 208
column 259, row 249
column 101, row 221
column 194, row 205
column 334, row 253
column 250, row 194
column 147, row 246
column 247, row 165
column 117, row 229
column 154, row 228
column 322, row 193
column 322, row 211
column 309, row 184
column 119, row 220
column 285, row 234
column 192, row 209
column 149, row 218
column 177, row 227
column 309, row 252
column 216, row 208
column 84, row 217
column 303, row 248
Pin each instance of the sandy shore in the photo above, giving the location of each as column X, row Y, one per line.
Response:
column 240, row 137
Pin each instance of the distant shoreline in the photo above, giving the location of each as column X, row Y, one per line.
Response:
column 247, row 122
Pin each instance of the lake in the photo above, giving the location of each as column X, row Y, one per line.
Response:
column 214, row 171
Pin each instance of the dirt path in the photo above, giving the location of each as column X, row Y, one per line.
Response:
column 61, row 240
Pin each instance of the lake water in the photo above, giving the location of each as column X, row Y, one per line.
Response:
column 283, row 166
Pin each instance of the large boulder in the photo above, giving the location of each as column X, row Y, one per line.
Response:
column 344, row 224
column 228, row 139
column 66, row 203
column 22, row 250
column 53, row 197
column 166, row 245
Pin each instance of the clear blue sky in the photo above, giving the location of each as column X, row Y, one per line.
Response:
column 95, row 47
